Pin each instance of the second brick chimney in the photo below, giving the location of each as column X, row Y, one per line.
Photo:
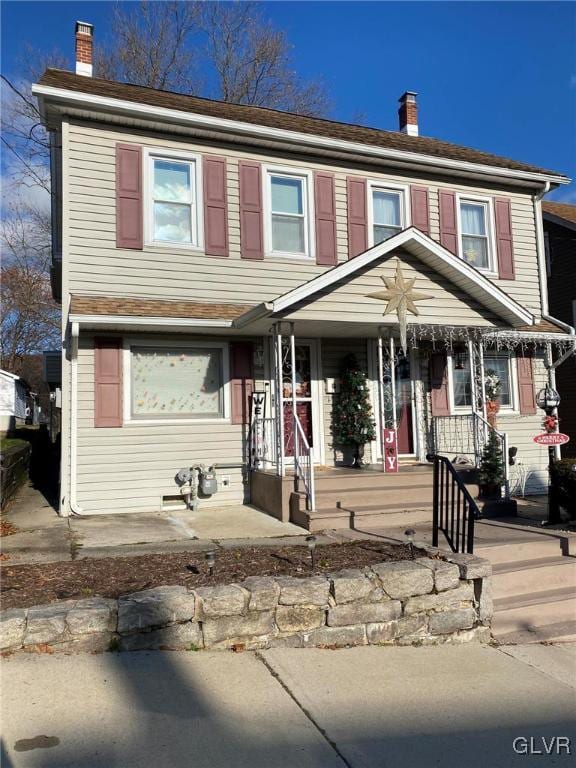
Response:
column 84, row 52
column 408, row 113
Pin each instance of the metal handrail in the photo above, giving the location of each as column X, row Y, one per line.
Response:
column 454, row 510
column 467, row 434
column 304, row 470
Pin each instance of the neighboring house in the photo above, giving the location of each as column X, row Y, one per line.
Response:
column 52, row 376
column 18, row 405
column 560, row 241
column 196, row 240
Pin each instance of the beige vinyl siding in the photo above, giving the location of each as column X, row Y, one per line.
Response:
column 446, row 305
column 96, row 266
column 129, row 468
column 532, row 458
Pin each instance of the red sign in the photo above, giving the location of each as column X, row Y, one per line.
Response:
column 551, row 438
column 390, row 444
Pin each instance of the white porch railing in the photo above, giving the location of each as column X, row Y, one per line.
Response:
column 303, row 465
column 271, row 445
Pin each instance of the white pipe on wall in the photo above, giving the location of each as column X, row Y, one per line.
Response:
column 74, row 333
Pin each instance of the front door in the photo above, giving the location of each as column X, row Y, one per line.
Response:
column 307, row 405
column 404, row 405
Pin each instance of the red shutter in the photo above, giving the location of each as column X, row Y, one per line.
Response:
column 129, row 196
column 107, row 382
column 420, row 214
column 215, row 207
column 448, row 225
column 357, row 216
column 325, row 208
column 526, row 384
column 251, row 238
column 241, row 381
column 504, row 238
column 440, row 400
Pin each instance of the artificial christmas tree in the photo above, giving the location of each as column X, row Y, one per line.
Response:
column 491, row 475
column 352, row 420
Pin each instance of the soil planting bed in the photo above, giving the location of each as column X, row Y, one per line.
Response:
column 27, row 585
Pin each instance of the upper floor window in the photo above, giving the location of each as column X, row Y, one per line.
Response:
column 289, row 217
column 476, row 245
column 173, row 200
column 388, row 211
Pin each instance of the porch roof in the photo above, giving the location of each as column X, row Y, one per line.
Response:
column 460, row 273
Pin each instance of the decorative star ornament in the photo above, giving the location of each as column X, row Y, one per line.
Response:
column 401, row 298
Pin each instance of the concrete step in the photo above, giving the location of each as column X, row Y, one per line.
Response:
column 533, row 576
column 362, row 517
column 525, row 613
column 563, row 632
column 358, row 497
column 512, row 552
column 361, row 480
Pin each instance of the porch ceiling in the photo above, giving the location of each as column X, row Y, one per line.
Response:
column 462, row 276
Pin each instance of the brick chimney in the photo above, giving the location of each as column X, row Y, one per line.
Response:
column 408, row 113
column 84, row 33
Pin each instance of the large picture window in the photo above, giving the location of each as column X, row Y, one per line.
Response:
column 177, row 382
column 173, row 201
column 289, row 216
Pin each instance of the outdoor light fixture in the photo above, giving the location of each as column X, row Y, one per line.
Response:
column 211, row 562
column 548, row 399
column 311, row 542
column 410, row 533
column 512, row 453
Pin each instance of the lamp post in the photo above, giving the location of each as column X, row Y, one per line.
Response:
column 549, row 400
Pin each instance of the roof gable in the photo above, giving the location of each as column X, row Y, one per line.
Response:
column 462, row 276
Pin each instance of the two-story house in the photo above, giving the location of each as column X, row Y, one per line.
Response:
column 204, row 251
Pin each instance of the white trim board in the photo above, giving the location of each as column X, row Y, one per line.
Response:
column 466, row 277
column 64, row 97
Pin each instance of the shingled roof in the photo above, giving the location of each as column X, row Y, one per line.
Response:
column 288, row 121
column 560, row 210
column 126, row 307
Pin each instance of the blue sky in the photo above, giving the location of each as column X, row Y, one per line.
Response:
column 499, row 76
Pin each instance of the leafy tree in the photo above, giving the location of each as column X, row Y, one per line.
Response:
column 352, row 419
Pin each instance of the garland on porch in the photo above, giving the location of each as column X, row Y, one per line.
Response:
column 446, row 336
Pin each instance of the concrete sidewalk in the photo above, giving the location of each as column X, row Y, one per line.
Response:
column 455, row 707
column 44, row 537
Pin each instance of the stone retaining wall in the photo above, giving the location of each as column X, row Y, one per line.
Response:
column 426, row 601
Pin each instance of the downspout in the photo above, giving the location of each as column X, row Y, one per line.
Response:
column 74, row 506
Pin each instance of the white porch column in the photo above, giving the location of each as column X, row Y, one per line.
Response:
column 295, row 435
column 279, row 401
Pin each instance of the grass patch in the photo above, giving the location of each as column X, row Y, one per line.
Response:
column 11, row 442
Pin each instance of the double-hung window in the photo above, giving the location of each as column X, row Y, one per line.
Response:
column 289, row 217
column 388, row 213
column 498, row 379
column 497, row 369
column 475, row 238
column 177, row 382
column 173, row 200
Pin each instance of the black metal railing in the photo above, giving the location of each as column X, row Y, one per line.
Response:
column 454, row 509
